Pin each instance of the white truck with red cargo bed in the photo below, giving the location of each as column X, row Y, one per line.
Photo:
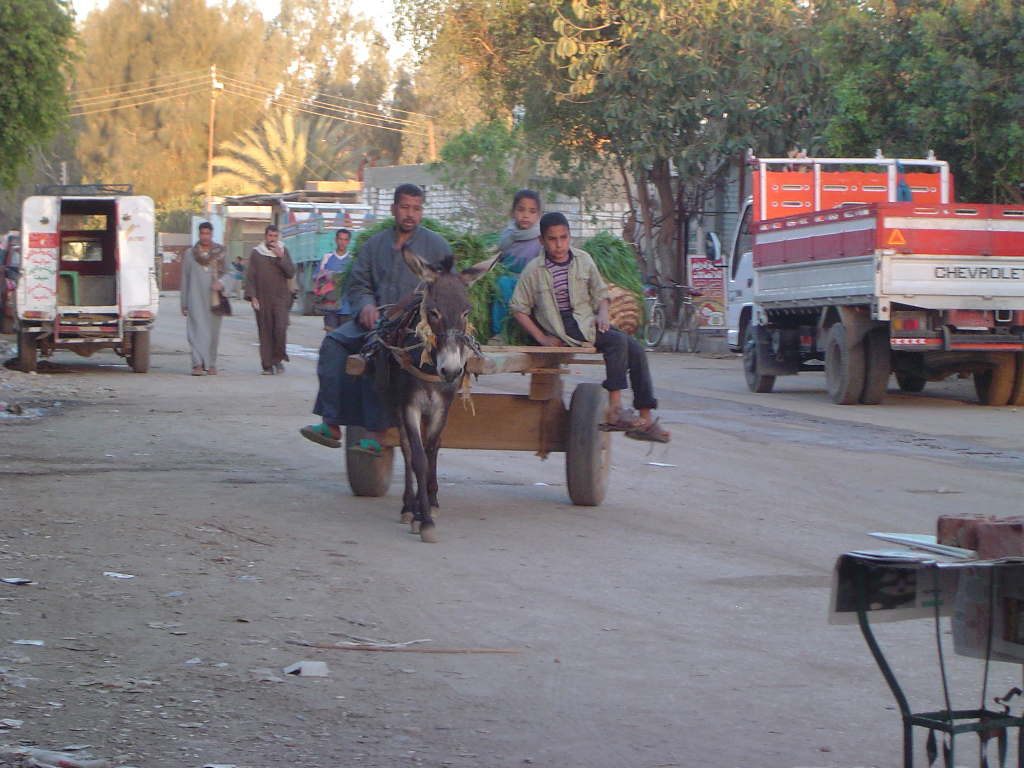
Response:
column 868, row 268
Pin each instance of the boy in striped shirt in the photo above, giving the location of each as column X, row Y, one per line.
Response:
column 562, row 300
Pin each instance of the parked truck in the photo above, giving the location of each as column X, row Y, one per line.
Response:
column 87, row 279
column 308, row 239
column 868, row 268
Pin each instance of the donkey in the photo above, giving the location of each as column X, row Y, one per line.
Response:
column 420, row 362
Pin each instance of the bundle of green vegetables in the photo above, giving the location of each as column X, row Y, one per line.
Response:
column 468, row 249
column 618, row 266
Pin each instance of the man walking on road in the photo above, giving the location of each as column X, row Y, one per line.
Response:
column 206, row 276
column 266, row 286
column 380, row 277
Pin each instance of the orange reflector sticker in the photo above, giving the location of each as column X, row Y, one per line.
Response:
column 896, row 238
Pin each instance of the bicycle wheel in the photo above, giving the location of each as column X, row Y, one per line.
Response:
column 692, row 330
column 656, row 326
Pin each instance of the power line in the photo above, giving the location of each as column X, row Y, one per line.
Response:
column 144, row 90
column 196, row 89
column 175, row 77
column 317, row 104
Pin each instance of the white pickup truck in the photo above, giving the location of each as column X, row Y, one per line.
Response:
column 88, row 276
column 867, row 268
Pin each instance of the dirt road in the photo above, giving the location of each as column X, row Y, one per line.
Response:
column 682, row 623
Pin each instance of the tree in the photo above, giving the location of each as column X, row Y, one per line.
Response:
column 942, row 75
column 672, row 91
column 143, row 87
column 36, row 39
column 282, row 154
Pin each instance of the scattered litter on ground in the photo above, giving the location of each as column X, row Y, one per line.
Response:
column 657, row 464
column 29, row 757
column 308, row 669
column 29, row 642
column 116, row 575
column 396, row 647
column 265, row 675
column 9, row 723
column 18, row 582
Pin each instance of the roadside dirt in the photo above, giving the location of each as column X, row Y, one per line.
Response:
column 182, row 545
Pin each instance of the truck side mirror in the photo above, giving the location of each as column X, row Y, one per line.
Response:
column 713, row 249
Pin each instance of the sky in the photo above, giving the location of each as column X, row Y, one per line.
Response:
column 381, row 11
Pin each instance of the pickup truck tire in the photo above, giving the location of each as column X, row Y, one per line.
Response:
column 755, row 381
column 367, row 475
column 28, row 352
column 655, row 327
column 844, row 366
column 995, row 386
column 138, row 358
column 877, row 367
column 910, row 383
column 1017, row 393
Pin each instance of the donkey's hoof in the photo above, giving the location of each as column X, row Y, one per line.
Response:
column 428, row 533
column 406, row 518
column 414, row 526
column 434, row 511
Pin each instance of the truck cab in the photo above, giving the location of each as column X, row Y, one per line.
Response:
column 739, row 304
column 88, row 277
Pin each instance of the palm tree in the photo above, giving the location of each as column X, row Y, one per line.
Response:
column 281, row 154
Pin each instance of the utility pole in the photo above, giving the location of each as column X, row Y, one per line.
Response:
column 214, row 87
column 431, row 146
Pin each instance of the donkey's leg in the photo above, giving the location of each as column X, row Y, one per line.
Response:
column 432, row 429
column 418, row 456
column 409, row 496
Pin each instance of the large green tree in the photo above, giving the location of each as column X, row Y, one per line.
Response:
column 672, row 91
column 36, row 49
column 143, row 86
column 944, row 75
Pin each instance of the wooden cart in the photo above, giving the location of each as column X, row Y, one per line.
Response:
column 537, row 422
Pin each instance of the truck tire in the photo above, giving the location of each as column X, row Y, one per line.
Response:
column 367, row 475
column 28, row 352
column 139, row 357
column 1017, row 393
column 755, row 381
column 877, row 366
column 844, row 366
column 305, row 303
column 910, row 383
column 656, row 327
column 588, row 450
column 995, row 386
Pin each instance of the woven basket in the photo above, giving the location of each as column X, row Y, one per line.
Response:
column 624, row 309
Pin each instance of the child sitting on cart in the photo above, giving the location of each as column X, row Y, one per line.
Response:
column 562, row 300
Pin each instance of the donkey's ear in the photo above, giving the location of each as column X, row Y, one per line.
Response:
column 471, row 274
column 419, row 267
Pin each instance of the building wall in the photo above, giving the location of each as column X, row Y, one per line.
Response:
column 605, row 208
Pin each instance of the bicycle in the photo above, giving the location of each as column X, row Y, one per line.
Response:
column 687, row 319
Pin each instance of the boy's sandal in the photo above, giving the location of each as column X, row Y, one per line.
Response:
column 198, row 370
column 368, row 447
column 651, row 432
column 320, row 434
column 622, row 420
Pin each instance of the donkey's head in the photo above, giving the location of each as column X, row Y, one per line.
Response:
column 446, row 309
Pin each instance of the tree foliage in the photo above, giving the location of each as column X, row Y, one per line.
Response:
column 944, row 75
column 308, row 57
column 280, row 155
column 36, row 49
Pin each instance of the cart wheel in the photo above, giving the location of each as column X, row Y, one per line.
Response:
column 691, row 331
column 367, row 475
column 139, row 357
column 28, row 351
column 588, row 454
column 995, row 386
